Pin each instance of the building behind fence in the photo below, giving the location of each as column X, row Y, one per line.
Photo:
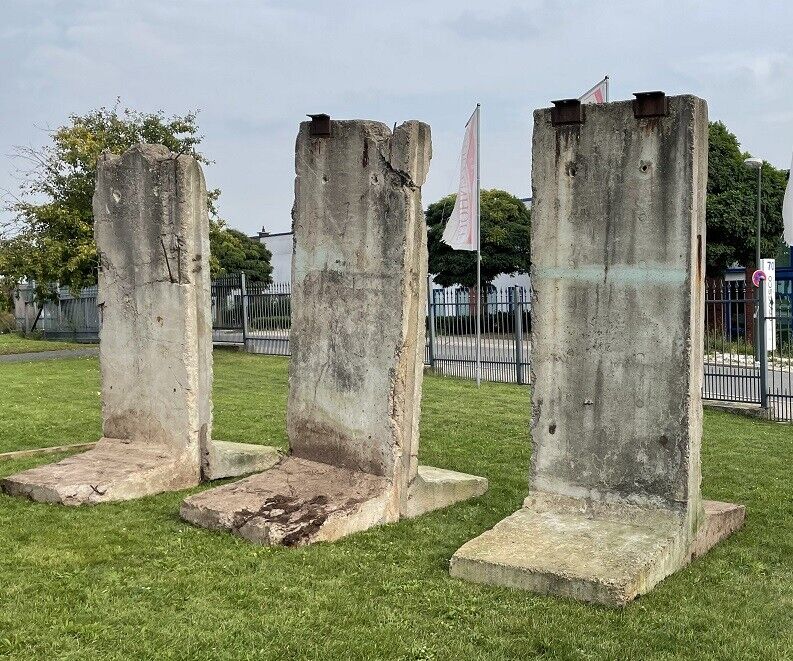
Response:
column 257, row 317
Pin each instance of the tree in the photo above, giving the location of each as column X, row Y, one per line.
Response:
column 50, row 238
column 731, row 205
column 238, row 253
column 506, row 227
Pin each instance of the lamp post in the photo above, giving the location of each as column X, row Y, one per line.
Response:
column 762, row 357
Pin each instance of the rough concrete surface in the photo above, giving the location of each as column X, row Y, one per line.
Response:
column 618, row 237
column 296, row 503
column 356, row 367
column 434, row 488
column 228, row 459
column 53, row 449
column 155, row 355
column 360, row 238
column 601, row 560
column 116, row 469
column 152, row 234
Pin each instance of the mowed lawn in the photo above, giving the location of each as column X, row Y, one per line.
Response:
column 132, row 581
column 12, row 343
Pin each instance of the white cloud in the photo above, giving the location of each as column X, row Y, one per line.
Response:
column 255, row 68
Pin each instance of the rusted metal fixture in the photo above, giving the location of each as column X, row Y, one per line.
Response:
column 320, row 125
column 650, row 104
column 567, row 111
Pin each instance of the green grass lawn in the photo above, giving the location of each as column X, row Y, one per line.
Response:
column 11, row 343
column 132, row 581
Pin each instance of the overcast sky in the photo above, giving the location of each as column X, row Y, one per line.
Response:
column 255, row 68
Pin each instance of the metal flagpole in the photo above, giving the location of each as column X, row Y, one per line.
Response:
column 607, row 88
column 478, row 264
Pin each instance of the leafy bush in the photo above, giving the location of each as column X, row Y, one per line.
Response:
column 8, row 323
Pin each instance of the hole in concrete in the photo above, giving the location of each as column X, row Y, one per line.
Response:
column 552, row 428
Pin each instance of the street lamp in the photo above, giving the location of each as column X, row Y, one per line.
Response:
column 757, row 164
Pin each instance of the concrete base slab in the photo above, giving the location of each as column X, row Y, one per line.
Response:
column 566, row 553
column 721, row 520
column 296, row 503
column 115, row 469
column 435, row 488
column 228, row 459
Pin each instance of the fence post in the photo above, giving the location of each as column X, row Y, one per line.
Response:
column 431, row 322
column 762, row 350
column 519, row 334
column 244, row 291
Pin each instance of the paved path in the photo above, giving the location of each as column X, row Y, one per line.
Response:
column 49, row 355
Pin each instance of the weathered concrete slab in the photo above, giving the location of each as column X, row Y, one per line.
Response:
column 303, row 501
column 119, row 469
column 721, row 520
column 618, row 239
column 116, row 469
column 297, row 503
column 360, row 238
column 434, row 488
column 53, row 449
column 618, row 255
column 356, row 369
column 152, row 234
column 567, row 553
column 228, row 459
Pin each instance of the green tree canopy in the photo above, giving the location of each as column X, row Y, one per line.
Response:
column 506, row 227
column 238, row 253
column 50, row 237
column 731, row 204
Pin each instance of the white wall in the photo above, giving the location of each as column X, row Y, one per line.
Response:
column 280, row 245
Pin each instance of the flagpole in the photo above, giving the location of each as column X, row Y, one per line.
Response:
column 478, row 263
column 607, row 88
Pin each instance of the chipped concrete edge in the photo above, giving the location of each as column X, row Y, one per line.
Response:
column 55, row 449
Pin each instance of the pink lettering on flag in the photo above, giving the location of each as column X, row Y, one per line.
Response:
column 461, row 232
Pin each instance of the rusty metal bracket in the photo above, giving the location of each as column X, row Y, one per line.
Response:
column 567, row 111
column 650, row 104
column 320, row 125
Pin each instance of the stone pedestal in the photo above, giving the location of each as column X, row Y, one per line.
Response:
column 152, row 235
column 359, row 277
column 618, row 239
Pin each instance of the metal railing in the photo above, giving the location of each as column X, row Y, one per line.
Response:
column 257, row 317
column 506, row 328
column 732, row 362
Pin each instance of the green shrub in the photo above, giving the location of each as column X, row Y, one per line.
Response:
column 8, row 323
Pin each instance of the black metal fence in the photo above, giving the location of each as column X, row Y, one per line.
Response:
column 505, row 332
column 733, row 365
column 254, row 316
column 257, row 318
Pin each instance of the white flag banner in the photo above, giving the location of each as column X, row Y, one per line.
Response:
column 598, row 94
column 461, row 231
column 787, row 209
